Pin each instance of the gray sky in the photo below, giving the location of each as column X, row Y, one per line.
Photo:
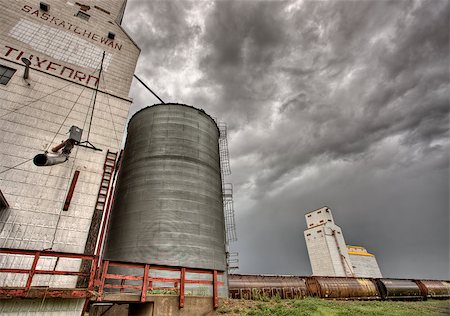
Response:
column 337, row 103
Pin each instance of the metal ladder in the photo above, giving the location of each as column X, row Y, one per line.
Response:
column 108, row 169
column 89, row 248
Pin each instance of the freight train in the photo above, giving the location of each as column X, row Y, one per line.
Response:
column 289, row 287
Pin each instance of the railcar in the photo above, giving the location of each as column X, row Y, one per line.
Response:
column 255, row 286
column 347, row 288
column 434, row 289
column 399, row 289
column 342, row 288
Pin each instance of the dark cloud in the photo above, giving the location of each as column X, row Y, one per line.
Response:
column 338, row 103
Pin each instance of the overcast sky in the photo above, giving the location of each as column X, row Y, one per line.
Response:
column 336, row 103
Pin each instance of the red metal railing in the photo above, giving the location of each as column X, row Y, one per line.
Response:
column 28, row 290
column 102, row 280
column 146, row 281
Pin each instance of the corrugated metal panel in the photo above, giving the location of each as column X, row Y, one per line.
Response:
column 168, row 205
column 334, row 287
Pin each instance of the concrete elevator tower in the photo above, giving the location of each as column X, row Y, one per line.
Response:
column 326, row 245
column 328, row 253
column 64, row 66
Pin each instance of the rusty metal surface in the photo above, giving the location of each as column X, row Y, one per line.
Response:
column 399, row 289
column 254, row 286
column 342, row 288
column 168, row 204
column 241, row 281
column 434, row 288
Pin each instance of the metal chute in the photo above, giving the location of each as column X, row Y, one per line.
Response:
column 60, row 153
column 55, row 157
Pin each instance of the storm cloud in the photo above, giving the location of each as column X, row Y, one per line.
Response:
column 337, row 103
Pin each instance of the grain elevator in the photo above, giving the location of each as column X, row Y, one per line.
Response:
column 70, row 238
column 328, row 253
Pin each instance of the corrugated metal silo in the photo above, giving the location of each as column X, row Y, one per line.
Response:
column 168, row 204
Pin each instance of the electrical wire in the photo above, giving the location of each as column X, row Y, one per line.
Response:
column 67, row 116
column 95, row 95
column 110, row 113
column 35, row 100
column 14, row 167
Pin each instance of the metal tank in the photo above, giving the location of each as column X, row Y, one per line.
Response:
column 342, row 288
column 402, row 289
column 168, row 203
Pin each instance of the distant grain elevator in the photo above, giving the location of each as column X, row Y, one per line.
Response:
column 328, row 253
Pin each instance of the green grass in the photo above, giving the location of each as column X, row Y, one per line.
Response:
column 314, row 306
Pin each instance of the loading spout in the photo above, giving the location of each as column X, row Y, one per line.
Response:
column 55, row 157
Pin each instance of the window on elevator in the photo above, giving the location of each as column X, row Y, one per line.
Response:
column 6, row 74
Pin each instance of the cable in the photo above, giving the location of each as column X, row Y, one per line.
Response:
column 76, row 101
column 44, row 96
column 74, row 157
column 35, row 100
column 62, row 124
column 134, row 75
column 110, row 113
column 60, row 211
column 95, row 95
column 14, row 167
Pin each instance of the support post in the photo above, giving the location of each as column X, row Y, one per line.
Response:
column 182, row 279
column 102, row 284
column 32, row 271
column 215, row 290
column 85, row 306
column 145, row 283
column 92, row 273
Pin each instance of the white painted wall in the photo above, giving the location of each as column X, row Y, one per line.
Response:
column 36, row 114
column 326, row 245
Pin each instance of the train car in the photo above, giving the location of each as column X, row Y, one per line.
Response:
column 434, row 289
column 257, row 286
column 342, row 288
column 399, row 289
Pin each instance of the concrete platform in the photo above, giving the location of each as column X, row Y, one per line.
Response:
column 156, row 305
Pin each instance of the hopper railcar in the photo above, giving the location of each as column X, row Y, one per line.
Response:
column 256, row 286
column 253, row 287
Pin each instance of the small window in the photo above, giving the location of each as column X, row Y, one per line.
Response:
column 329, row 220
column 5, row 74
column 83, row 15
column 308, row 234
column 311, row 224
column 321, row 220
column 327, row 210
column 339, row 233
column 3, row 204
column 319, row 212
column 3, row 209
column 319, row 231
column 309, row 215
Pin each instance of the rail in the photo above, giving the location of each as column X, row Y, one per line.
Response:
column 107, row 279
column 34, row 291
